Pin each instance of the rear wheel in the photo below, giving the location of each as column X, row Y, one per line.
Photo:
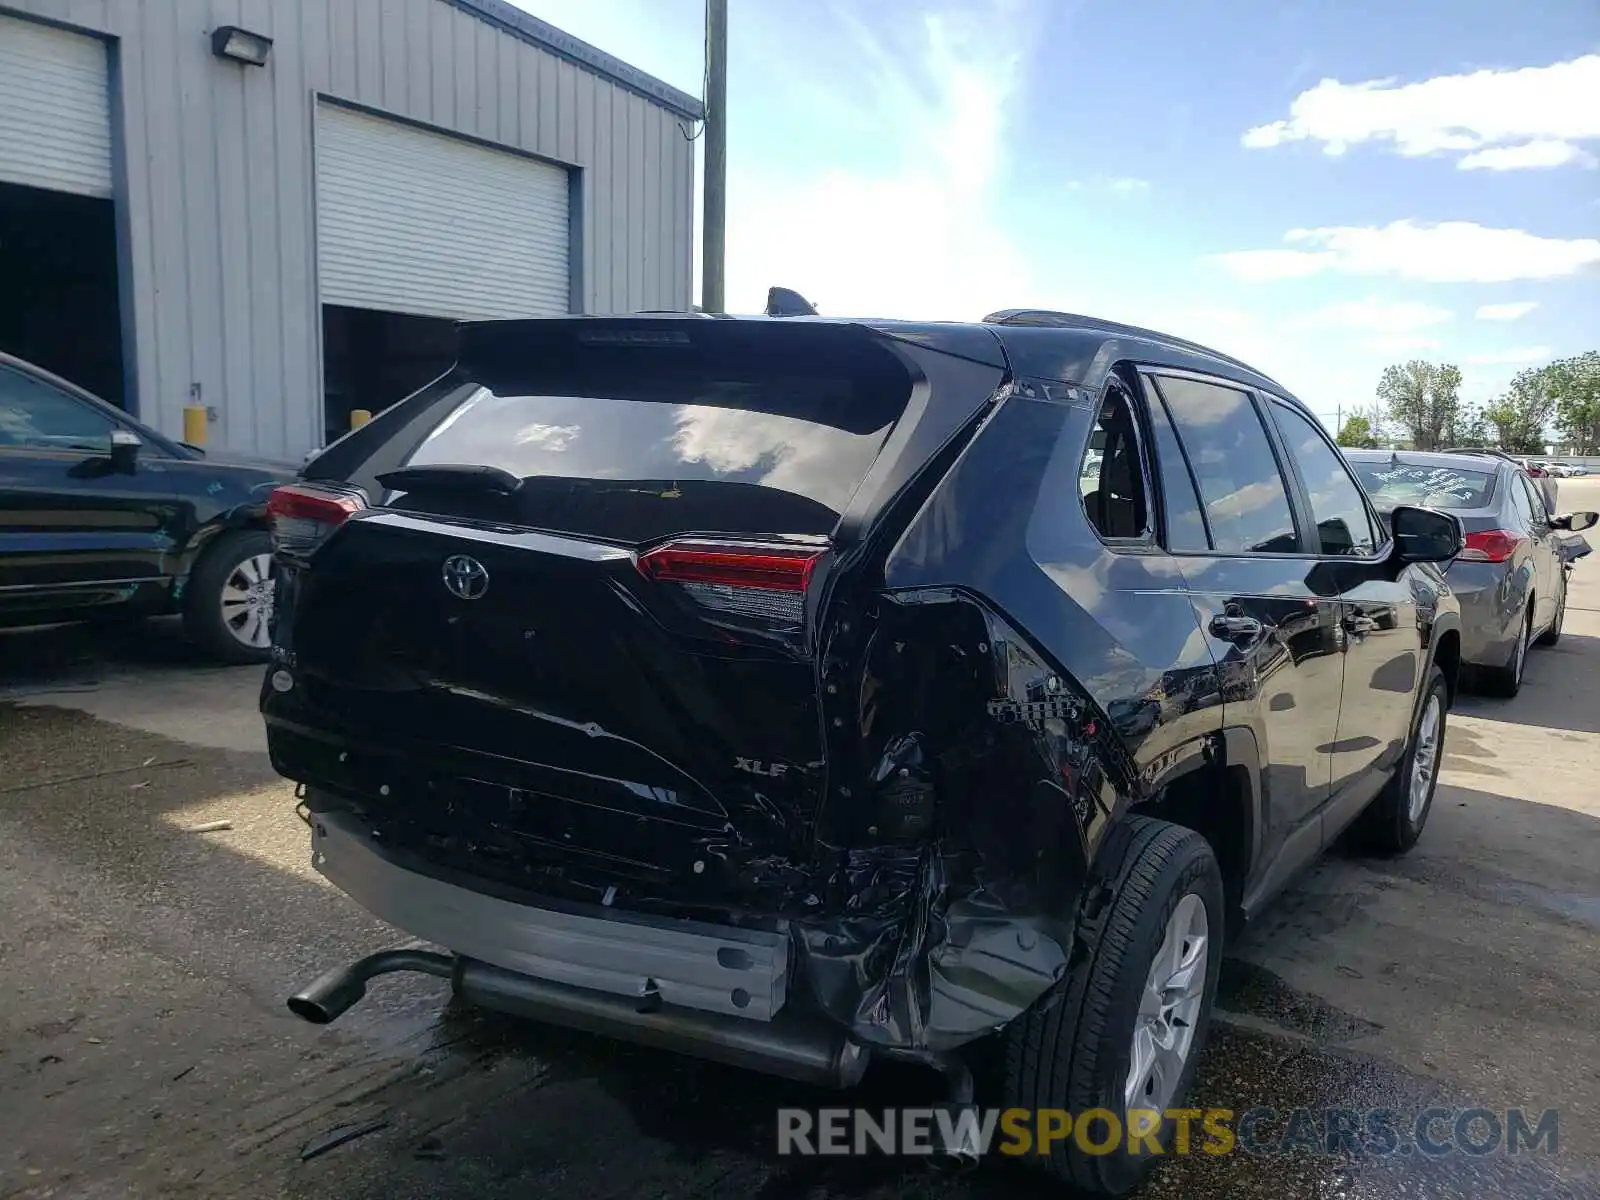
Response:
column 1393, row 822
column 1506, row 681
column 1553, row 635
column 1123, row 1032
column 229, row 598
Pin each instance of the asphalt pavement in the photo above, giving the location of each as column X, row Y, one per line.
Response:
column 159, row 905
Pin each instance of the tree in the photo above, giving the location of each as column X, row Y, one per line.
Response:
column 1473, row 432
column 1424, row 399
column 1520, row 416
column 1575, row 384
column 1357, row 434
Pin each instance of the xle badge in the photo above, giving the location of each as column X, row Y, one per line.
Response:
column 754, row 766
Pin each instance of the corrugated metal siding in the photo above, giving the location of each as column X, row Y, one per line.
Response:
column 417, row 222
column 55, row 114
column 219, row 202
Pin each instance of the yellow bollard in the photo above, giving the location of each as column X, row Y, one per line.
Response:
column 194, row 425
column 359, row 417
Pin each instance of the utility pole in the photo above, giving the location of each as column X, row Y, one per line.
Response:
column 714, row 213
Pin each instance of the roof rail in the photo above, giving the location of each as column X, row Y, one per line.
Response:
column 1045, row 318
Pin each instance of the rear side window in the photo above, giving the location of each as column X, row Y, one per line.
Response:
column 1246, row 501
column 1112, row 476
column 632, row 447
column 1541, row 512
column 1532, row 508
column 1337, row 506
column 1184, row 524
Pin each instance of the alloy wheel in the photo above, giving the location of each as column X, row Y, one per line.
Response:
column 1169, row 1008
column 247, row 601
column 1425, row 757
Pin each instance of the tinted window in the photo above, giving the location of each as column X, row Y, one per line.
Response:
column 1112, row 475
column 1536, row 506
column 1520, row 501
column 1184, row 525
column 1246, row 501
column 1392, row 482
column 1337, row 506
column 35, row 414
column 642, row 456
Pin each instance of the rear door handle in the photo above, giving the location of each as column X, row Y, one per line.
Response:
column 1235, row 629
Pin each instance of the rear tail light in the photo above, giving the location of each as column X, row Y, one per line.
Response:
column 757, row 580
column 1490, row 545
column 302, row 515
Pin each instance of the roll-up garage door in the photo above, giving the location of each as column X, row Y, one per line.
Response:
column 416, row 222
column 55, row 110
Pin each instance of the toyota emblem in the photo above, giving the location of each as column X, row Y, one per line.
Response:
column 465, row 577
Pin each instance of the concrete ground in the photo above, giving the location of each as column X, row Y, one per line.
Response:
column 145, row 1049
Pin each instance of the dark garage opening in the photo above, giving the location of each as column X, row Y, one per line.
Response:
column 373, row 359
column 58, row 286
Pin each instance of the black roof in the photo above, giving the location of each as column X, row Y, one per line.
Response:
column 1038, row 343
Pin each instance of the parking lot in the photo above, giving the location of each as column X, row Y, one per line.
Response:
column 160, row 905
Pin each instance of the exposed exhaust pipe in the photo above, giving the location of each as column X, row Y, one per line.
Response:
column 791, row 1045
column 332, row 995
column 810, row 1050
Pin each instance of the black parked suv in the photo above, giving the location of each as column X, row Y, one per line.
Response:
column 795, row 692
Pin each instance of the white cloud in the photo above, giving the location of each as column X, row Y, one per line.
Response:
column 1525, row 156
column 1130, row 185
column 1373, row 313
column 914, row 234
column 1506, row 312
column 1520, row 356
column 1498, row 119
column 1449, row 252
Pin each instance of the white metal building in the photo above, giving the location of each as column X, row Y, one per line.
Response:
column 281, row 241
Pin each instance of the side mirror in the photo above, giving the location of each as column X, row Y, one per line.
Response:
column 1576, row 522
column 124, row 454
column 1426, row 534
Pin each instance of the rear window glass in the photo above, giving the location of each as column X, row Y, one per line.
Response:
column 1391, row 483
column 724, row 452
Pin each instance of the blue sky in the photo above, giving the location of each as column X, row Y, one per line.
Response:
column 1320, row 189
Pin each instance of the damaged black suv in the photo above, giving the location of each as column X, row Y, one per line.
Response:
column 795, row 692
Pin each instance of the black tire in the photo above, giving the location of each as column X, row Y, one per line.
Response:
column 1389, row 826
column 1553, row 635
column 203, row 617
column 1072, row 1050
column 1505, row 682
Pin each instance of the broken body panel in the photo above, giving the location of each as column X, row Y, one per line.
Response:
column 901, row 786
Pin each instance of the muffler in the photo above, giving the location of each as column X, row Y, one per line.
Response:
column 792, row 1045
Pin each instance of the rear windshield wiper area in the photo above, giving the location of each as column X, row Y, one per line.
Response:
column 634, row 511
column 448, row 478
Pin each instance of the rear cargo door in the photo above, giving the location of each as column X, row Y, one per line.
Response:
column 591, row 588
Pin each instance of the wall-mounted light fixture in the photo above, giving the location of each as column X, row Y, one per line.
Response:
column 229, row 41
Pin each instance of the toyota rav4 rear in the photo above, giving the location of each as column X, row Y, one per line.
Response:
column 791, row 691
column 584, row 659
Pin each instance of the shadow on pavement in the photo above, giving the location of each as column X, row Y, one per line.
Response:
column 1555, row 693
